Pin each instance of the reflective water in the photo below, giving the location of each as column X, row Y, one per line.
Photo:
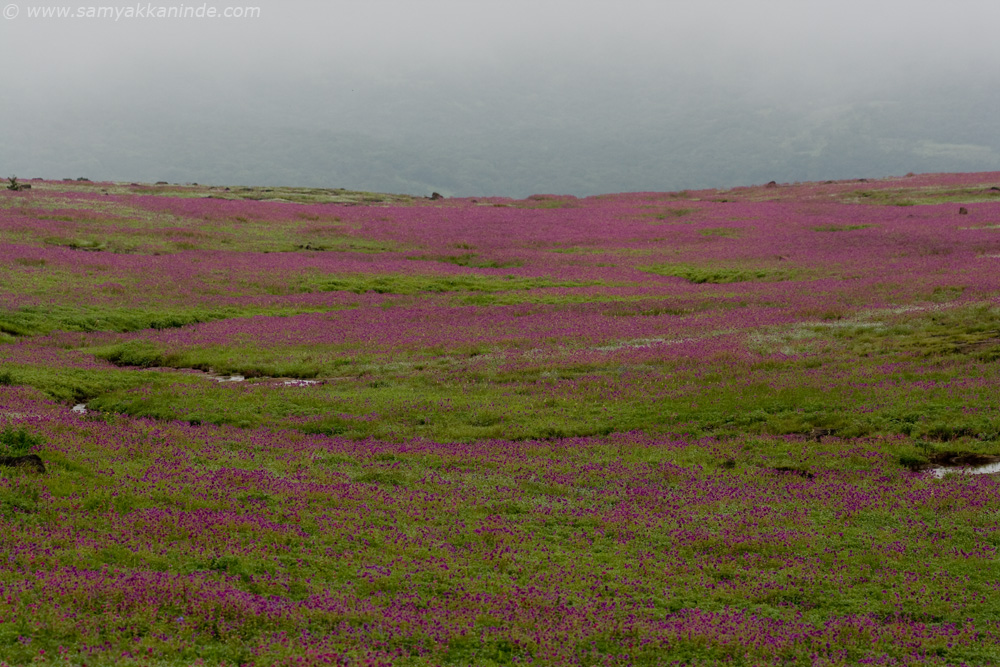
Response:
column 988, row 469
column 226, row 378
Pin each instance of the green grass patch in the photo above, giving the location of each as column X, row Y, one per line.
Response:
column 719, row 275
column 449, row 402
column 18, row 442
column 94, row 245
column 722, row 232
column 415, row 284
column 839, row 228
column 468, row 259
column 547, row 202
column 340, row 244
column 77, row 384
column 38, row 320
column 673, row 213
column 926, row 195
column 247, row 360
column 969, row 331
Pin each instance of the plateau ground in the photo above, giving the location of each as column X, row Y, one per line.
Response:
column 694, row 427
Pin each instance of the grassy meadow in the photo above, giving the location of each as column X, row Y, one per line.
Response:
column 287, row 426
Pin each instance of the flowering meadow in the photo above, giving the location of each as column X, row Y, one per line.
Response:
column 321, row 427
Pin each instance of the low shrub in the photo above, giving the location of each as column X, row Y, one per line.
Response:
column 17, row 442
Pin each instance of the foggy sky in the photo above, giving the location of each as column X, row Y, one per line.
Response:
column 504, row 98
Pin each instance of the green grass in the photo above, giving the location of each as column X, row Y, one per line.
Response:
column 468, row 259
column 116, row 227
column 547, row 202
column 781, row 488
column 673, row 213
column 924, row 196
column 39, row 320
column 247, row 360
column 722, row 232
column 719, row 275
column 74, row 385
column 839, row 228
column 444, row 399
column 94, row 245
column 17, row 442
column 415, row 284
column 251, row 193
column 923, row 396
column 971, row 332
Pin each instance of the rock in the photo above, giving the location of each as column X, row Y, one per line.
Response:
column 436, row 195
column 963, row 211
column 772, row 184
column 818, row 433
column 795, row 471
column 31, row 462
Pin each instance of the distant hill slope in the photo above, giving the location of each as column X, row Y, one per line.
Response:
column 482, row 144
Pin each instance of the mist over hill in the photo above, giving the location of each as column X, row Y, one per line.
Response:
column 507, row 98
column 480, row 141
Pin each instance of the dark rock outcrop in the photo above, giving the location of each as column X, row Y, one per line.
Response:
column 30, row 462
column 795, row 471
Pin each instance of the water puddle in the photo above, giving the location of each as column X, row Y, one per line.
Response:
column 988, row 469
column 236, row 377
column 225, row 378
column 299, row 383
